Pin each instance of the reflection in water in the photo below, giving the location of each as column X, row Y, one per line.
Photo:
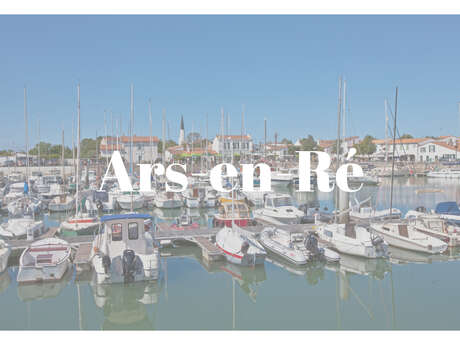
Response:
column 44, row 290
column 124, row 305
column 357, row 293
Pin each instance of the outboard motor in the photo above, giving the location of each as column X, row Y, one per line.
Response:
column 106, row 263
column 244, row 247
column 377, row 242
column 311, row 243
column 128, row 262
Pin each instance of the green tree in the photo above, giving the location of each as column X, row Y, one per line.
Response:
column 308, row 144
column 406, row 136
column 169, row 143
column 366, row 146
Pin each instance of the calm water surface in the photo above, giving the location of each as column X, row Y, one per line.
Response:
column 410, row 291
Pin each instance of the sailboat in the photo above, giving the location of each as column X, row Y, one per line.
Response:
column 346, row 237
column 398, row 233
column 238, row 248
column 79, row 224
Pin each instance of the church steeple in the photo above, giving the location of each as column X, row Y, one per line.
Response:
column 182, row 131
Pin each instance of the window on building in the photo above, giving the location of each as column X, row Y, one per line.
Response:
column 432, row 148
column 117, row 232
column 423, row 150
column 133, row 231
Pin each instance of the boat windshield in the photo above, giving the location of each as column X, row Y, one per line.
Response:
column 282, row 201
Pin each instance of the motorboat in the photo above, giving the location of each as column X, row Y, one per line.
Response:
column 361, row 213
column 123, row 252
column 238, row 248
column 434, row 226
column 448, row 210
column 191, row 197
column 353, row 239
column 26, row 205
column 209, row 197
column 444, row 173
column 105, row 201
column 165, row 199
column 184, row 222
column 21, row 228
column 294, row 246
column 403, row 235
column 255, row 197
column 282, row 176
column 61, row 203
column 5, row 251
column 130, row 201
column 236, row 212
column 44, row 260
column 279, row 209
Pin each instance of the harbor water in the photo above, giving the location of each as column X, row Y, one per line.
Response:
column 408, row 291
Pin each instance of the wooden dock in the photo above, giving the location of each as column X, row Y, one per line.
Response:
column 82, row 256
column 210, row 252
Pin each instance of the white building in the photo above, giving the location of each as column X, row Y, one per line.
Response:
column 278, row 150
column 145, row 149
column 418, row 149
column 229, row 145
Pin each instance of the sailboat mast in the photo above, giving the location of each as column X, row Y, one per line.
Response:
column 393, row 158
column 39, row 160
column 206, row 142
column 386, row 130
column 163, row 133
column 78, row 150
column 27, row 134
column 131, row 132
column 339, row 110
column 62, row 157
column 150, row 139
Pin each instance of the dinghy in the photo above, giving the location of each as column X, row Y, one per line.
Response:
column 45, row 260
column 294, row 247
column 20, row 228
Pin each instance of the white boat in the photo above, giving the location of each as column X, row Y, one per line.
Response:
column 238, row 248
column 123, row 252
column 209, row 197
column 26, row 205
column 165, row 199
column 444, row 173
column 353, row 239
column 61, row 203
column 405, row 236
column 44, row 260
column 256, row 197
column 5, row 251
column 279, row 209
column 128, row 201
column 81, row 224
column 282, row 176
column 294, row 247
column 20, row 228
column 368, row 213
column 104, row 201
column 434, row 226
column 191, row 197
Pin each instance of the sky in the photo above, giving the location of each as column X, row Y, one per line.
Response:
column 282, row 68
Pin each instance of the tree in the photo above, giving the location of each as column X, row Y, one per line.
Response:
column 308, row 144
column 366, row 146
column 286, row 141
column 406, row 136
column 169, row 143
